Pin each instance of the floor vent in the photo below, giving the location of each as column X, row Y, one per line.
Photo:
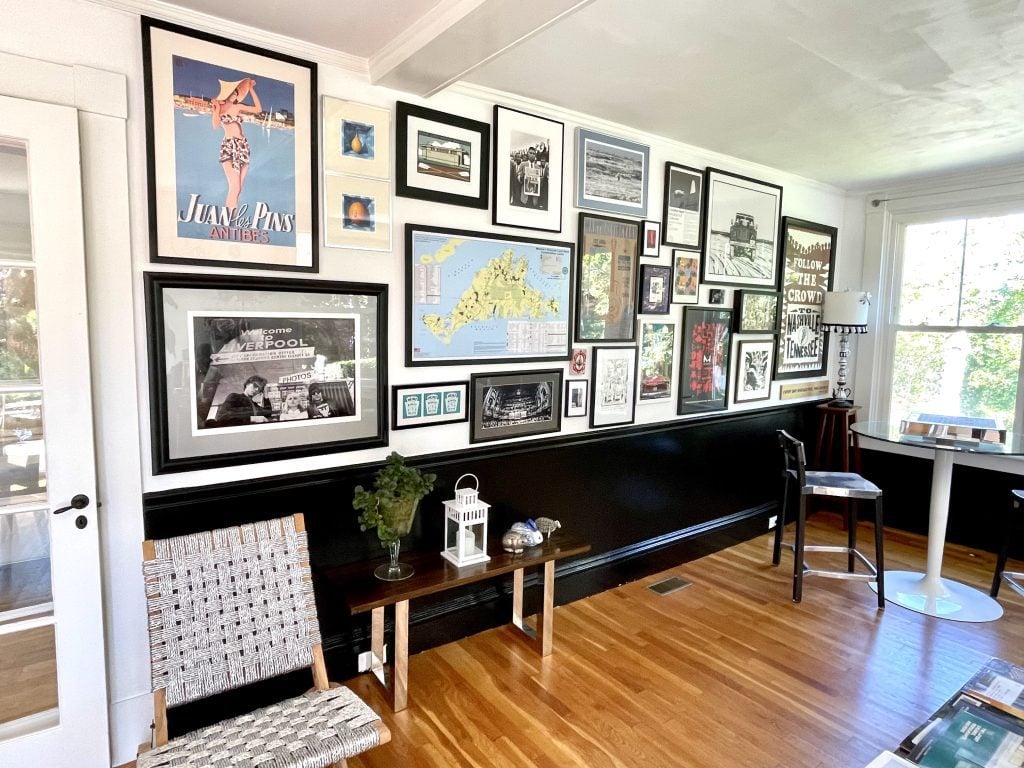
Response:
column 669, row 585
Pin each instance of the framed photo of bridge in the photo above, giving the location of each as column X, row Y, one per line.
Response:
column 742, row 230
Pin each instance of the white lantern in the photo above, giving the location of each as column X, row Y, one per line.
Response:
column 465, row 526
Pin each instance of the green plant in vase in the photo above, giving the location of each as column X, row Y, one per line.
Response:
column 391, row 508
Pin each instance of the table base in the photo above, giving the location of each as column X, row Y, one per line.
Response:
column 944, row 598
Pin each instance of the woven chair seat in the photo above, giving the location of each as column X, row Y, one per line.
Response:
column 308, row 731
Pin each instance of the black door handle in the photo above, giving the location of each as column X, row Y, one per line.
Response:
column 79, row 501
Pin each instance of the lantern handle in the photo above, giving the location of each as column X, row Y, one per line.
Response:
column 476, row 480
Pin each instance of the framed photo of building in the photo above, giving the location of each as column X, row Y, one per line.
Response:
column 655, row 289
column 424, row 405
column 357, row 213
column 683, row 207
column 611, row 174
column 607, row 288
column 506, row 405
column 808, row 253
column 442, row 158
column 657, row 356
column 250, row 369
column 704, row 364
column 527, row 170
column 741, row 231
column 613, row 399
column 576, row 397
column 231, row 137
column 753, row 370
column 756, row 311
column 356, row 139
column 685, row 277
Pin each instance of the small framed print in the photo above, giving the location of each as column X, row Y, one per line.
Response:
column 356, row 138
column 357, row 213
column 442, row 158
column 425, row 405
column 652, row 239
column 716, row 296
column 657, row 353
column 753, row 370
column 506, row 405
column 685, row 277
column 704, row 364
column 741, row 230
column 655, row 289
column 576, row 397
column 611, row 173
column 757, row 311
column 527, row 170
column 683, row 212
column 613, row 400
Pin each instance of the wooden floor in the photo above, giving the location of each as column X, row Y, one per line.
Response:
column 28, row 673
column 726, row 672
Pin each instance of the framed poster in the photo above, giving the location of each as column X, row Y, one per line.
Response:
column 442, row 158
column 757, row 311
column 508, row 405
column 753, row 370
column 575, row 397
column 685, row 277
column 248, row 369
column 808, row 252
column 741, row 230
column 357, row 213
column 607, row 290
column 474, row 297
column 424, row 405
column 652, row 239
column 655, row 289
column 657, row 354
column 231, row 132
column 356, row 139
column 613, row 400
column 704, row 365
column 611, row 173
column 527, row 170
column 683, row 208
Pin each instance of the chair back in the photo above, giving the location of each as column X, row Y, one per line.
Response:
column 229, row 607
column 793, row 457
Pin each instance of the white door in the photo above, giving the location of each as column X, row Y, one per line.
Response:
column 53, row 703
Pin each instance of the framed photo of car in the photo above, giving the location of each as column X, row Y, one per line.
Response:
column 741, row 231
column 613, row 399
column 528, row 160
column 704, row 364
column 683, row 208
column 507, row 405
column 657, row 357
column 753, row 370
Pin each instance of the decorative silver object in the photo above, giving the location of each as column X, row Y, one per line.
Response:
column 547, row 526
column 513, row 542
column 528, row 530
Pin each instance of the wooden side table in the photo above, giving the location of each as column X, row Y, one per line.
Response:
column 832, row 451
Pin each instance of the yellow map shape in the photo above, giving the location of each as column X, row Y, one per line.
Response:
column 498, row 290
column 442, row 253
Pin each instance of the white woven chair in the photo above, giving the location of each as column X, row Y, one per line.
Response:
column 232, row 607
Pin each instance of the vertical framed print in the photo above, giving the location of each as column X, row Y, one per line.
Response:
column 613, row 400
column 655, row 289
column 704, row 364
column 753, row 370
column 756, row 311
column 683, row 208
column 528, row 162
column 607, row 286
column 356, row 138
column 741, row 231
column 652, row 239
column 685, row 277
column 611, row 174
column 657, row 355
column 575, row 397
column 808, row 251
column 231, row 137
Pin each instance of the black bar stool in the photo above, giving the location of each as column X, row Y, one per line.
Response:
column 844, row 485
column 1011, row 523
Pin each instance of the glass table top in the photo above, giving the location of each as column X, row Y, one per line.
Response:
column 890, row 432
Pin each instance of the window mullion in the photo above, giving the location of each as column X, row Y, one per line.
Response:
column 963, row 261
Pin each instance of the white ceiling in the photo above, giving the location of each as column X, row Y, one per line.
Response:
column 855, row 93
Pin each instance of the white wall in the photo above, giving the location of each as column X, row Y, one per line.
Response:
column 76, row 32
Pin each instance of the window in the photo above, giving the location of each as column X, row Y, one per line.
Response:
column 959, row 318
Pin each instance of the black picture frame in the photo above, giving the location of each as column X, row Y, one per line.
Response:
column 613, row 396
column 683, row 212
column 189, row 72
column 756, row 311
column 416, row 129
column 576, row 398
column 741, row 230
column 508, row 405
column 655, row 289
column 808, row 269
column 427, row 405
column 754, row 370
column 523, row 197
column 704, row 364
column 210, row 335
column 606, row 291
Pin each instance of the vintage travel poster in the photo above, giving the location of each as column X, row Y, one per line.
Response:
column 608, row 279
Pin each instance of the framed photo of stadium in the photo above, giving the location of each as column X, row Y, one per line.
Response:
column 507, row 405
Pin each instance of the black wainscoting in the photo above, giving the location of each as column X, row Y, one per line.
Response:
column 646, row 498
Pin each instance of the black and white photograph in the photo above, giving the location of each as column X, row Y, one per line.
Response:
column 527, row 170
column 683, row 207
column 576, row 397
column 753, row 370
column 612, row 400
column 611, row 173
column 716, row 296
column 741, row 241
column 508, row 405
column 655, row 289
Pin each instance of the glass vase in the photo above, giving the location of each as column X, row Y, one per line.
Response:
column 393, row 570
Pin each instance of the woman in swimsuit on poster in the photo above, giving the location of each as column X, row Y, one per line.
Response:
column 234, row 148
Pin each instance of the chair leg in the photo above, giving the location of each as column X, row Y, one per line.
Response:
column 1004, row 549
column 879, row 556
column 798, row 551
column 850, row 515
column 780, row 523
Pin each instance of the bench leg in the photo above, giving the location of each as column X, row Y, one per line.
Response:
column 542, row 636
column 394, row 677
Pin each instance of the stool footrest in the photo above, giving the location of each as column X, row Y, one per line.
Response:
column 833, row 574
column 1015, row 579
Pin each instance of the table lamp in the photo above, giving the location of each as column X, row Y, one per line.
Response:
column 845, row 312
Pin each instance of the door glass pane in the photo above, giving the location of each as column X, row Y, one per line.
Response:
column 19, row 326
column 22, row 454
column 932, row 260
column 15, row 232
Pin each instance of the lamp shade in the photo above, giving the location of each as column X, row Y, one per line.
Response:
column 846, row 311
